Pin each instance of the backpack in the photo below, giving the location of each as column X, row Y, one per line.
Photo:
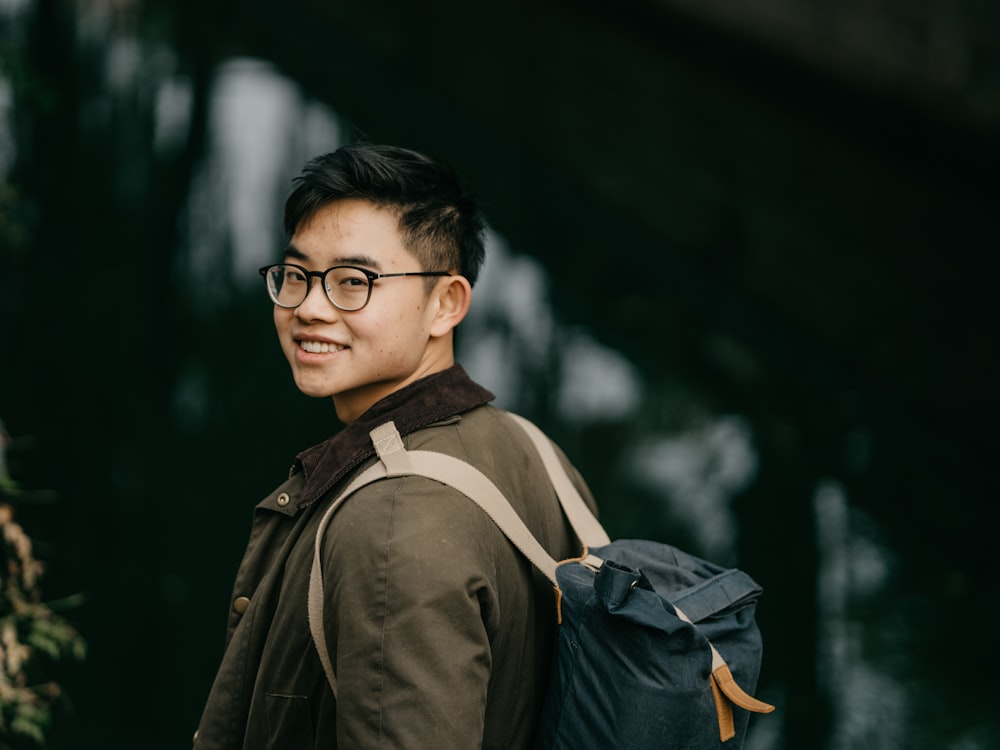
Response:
column 653, row 643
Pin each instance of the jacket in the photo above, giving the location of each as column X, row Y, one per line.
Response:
column 440, row 632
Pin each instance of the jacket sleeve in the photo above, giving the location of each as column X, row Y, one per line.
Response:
column 411, row 601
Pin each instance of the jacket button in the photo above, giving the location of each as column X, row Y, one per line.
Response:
column 240, row 604
column 283, row 499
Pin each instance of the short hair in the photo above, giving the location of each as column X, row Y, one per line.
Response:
column 439, row 221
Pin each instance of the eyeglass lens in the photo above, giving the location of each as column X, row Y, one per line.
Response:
column 348, row 288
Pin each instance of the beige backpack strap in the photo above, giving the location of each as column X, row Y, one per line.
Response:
column 588, row 529
column 315, row 602
column 395, row 460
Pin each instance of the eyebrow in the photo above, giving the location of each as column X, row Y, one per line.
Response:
column 293, row 253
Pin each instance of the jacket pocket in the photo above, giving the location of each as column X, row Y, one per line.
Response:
column 289, row 722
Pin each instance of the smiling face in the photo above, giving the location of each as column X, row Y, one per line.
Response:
column 404, row 332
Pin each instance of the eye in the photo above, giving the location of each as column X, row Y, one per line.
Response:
column 349, row 279
column 293, row 275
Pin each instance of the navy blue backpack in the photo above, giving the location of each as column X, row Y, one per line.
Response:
column 654, row 644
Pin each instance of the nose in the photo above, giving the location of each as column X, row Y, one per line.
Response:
column 316, row 305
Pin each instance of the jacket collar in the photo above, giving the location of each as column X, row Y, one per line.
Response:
column 431, row 399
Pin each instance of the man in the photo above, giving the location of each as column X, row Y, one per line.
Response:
column 440, row 633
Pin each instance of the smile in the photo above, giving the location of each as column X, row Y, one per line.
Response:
column 320, row 347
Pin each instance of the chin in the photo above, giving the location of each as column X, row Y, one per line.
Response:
column 313, row 390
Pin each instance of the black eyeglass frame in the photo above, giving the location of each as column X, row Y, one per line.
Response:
column 321, row 275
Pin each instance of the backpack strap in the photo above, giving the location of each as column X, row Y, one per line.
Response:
column 315, row 600
column 588, row 529
column 396, row 461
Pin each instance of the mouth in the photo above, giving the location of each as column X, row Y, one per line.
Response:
column 320, row 347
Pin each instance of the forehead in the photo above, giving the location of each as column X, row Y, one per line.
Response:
column 351, row 231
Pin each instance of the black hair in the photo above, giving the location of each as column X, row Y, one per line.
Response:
column 439, row 221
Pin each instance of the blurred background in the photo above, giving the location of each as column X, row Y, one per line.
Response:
column 739, row 268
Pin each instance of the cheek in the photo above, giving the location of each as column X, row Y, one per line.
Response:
column 399, row 339
column 282, row 322
column 397, row 326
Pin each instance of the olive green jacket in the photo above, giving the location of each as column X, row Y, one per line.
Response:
column 440, row 633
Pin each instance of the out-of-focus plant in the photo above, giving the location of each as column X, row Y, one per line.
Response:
column 32, row 635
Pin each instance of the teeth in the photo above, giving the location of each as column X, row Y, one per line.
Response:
column 320, row 347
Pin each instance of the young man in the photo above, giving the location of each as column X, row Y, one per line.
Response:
column 440, row 633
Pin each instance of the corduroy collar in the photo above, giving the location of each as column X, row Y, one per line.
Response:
column 431, row 399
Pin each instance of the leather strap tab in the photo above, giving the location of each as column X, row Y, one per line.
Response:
column 724, row 710
column 736, row 694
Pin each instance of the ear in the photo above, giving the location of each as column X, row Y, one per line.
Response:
column 452, row 296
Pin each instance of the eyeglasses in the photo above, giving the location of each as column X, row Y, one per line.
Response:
column 348, row 287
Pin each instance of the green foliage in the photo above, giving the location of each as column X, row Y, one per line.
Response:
column 32, row 636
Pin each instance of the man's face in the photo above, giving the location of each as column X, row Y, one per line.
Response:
column 359, row 357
